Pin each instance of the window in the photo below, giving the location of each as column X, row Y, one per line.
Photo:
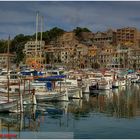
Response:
column 16, row 89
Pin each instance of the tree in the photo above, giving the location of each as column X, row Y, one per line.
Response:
column 19, row 53
column 50, row 35
column 79, row 30
column 3, row 46
column 17, row 46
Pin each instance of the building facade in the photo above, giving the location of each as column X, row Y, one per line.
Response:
column 134, row 58
column 128, row 36
column 34, row 51
column 4, row 59
column 108, row 37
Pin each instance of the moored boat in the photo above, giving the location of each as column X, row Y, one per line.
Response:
column 51, row 91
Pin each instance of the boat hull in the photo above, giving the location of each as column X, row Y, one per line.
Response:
column 8, row 106
column 75, row 93
column 48, row 96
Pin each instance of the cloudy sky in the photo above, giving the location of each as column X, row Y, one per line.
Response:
column 20, row 16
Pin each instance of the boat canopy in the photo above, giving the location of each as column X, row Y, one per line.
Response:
column 34, row 73
column 26, row 73
column 52, row 78
column 130, row 71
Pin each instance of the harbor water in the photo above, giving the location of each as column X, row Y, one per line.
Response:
column 113, row 114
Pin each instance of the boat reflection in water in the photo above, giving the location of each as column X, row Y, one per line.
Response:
column 108, row 115
column 122, row 102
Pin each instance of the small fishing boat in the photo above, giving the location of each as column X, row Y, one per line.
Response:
column 6, row 104
column 50, row 91
column 74, row 91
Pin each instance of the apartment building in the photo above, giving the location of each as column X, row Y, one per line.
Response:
column 4, row 59
column 34, row 51
column 92, row 51
column 105, row 55
column 67, row 54
column 128, row 36
column 81, row 55
column 121, row 56
column 107, row 37
column 52, row 54
column 134, row 58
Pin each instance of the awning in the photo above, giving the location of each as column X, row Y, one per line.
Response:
column 51, row 78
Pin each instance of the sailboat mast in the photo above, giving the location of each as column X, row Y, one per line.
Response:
column 8, row 67
column 41, row 39
column 41, row 28
column 36, row 35
column 8, row 63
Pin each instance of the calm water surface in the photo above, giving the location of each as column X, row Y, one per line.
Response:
column 112, row 114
